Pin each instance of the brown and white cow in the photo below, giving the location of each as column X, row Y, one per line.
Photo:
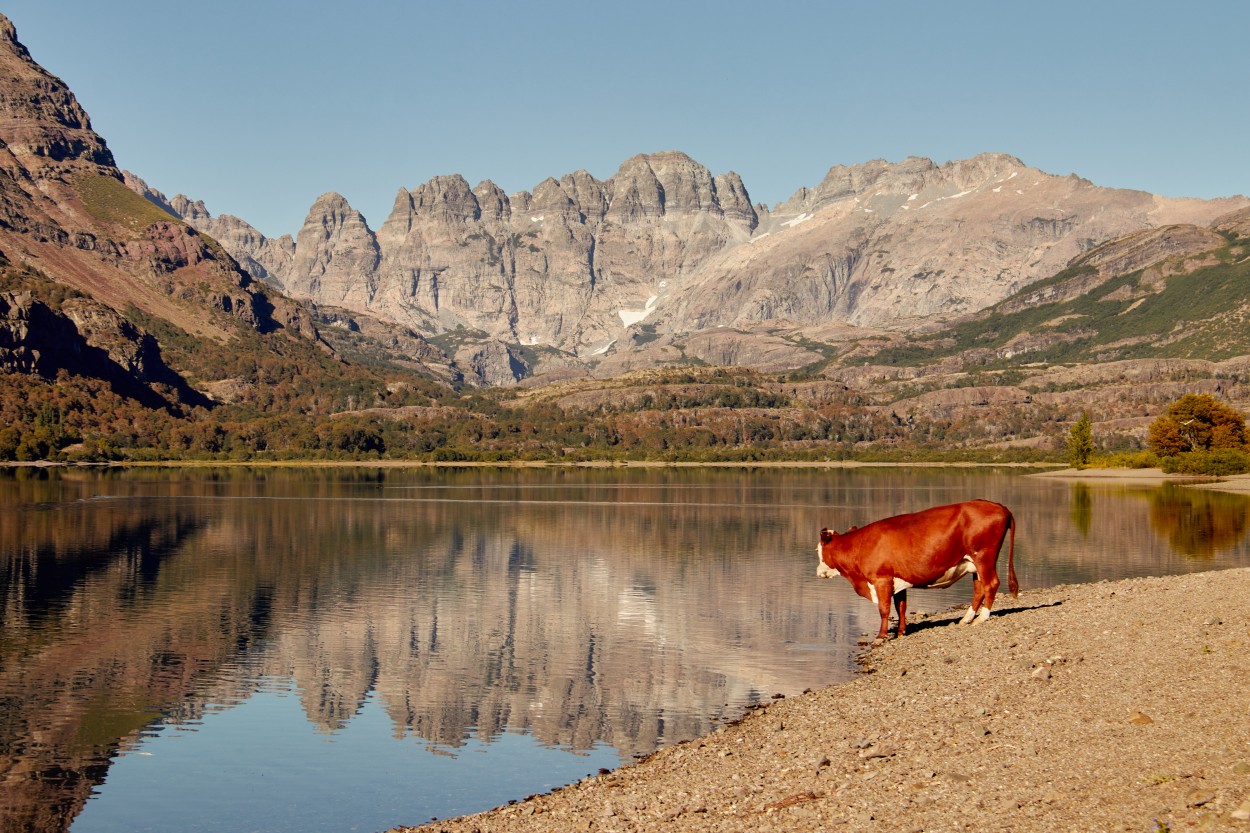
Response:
column 932, row 548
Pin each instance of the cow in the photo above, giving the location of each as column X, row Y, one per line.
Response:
column 932, row 548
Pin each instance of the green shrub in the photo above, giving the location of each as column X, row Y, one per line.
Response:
column 1129, row 460
column 1215, row 463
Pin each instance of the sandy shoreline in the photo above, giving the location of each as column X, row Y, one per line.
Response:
column 1110, row 706
column 1150, row 477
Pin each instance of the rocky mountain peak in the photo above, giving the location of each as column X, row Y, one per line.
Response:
column 982, row 168
column 580, row 264
column 587, row 194
column 551, row 196
column 8, row 37
column 686, row 185
column 910, row 179
column 331, row 204
column 189, row 210
column 635, row 192
column 849, row 180
column 734, row 200
column 654, row 185
column 447, row 199
column 41, row 123
column 335, row 254
column 493, row 203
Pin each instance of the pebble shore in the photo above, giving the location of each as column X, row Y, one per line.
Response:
column 1117, row 706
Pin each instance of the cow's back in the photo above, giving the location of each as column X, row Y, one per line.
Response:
column 919, row 547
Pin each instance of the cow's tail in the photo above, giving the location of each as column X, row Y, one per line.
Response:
column 1012, row 584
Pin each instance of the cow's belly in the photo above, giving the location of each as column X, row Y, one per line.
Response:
column 899, row 586
column 954, row 574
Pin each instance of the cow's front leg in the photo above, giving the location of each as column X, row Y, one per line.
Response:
column 900, row 604
column 884, row 591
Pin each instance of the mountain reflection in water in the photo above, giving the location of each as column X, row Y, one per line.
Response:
column 582, row 608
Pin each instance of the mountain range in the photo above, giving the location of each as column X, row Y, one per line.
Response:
column 640, row 269
column 923, row 271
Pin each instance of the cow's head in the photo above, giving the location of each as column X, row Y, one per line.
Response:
column 823, row 570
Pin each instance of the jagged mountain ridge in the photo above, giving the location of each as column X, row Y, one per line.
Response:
column 625, row 272
column 555, row 267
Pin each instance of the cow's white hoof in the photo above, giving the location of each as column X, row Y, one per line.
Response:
column 982, row 616
column 968, row 616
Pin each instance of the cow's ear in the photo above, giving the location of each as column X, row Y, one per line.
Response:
column 825, row 536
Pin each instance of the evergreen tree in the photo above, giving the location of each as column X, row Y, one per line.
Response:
column 1080, row 442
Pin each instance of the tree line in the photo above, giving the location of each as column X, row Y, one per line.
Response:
column 76, row 419
column 287, row 400
column 1197, row 434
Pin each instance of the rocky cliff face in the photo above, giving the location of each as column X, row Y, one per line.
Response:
column 664, row 262
column 627, row 272
column 557, row 266
column 569, row 265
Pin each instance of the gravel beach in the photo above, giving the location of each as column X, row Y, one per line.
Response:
column 1117, row 706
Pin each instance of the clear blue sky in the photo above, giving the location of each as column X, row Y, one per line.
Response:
column 259, row 106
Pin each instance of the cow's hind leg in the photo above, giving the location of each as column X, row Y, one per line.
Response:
column 989, row 589
column 978, row 597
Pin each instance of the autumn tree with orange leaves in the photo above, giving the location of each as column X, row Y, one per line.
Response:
column 1197, row 422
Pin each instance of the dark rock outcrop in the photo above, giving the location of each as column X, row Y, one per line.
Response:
column 86, row 339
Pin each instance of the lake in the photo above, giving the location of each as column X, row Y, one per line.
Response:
column 352, row 649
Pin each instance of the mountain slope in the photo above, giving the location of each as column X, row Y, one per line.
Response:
column 67, row 220
column 65, row 210
column 1174, row 292
column 911, row 245
column 99, row 286
column 870, row 286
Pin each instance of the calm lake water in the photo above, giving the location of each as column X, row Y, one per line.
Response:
column 353, row 649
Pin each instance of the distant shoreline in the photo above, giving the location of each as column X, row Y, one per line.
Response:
column 530, row 464
column 1238, row 483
